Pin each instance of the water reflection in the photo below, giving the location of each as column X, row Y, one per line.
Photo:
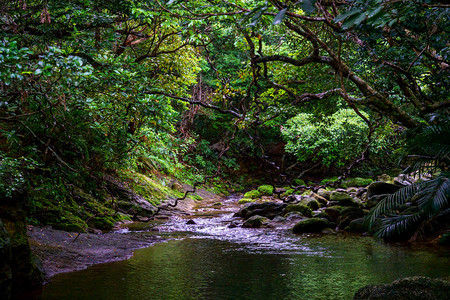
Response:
column 205, row 268
column 211, row 261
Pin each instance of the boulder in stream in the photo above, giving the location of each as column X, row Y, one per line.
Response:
column 256, row 222
column 311, row 225
column 411, row 288
column 265, row 209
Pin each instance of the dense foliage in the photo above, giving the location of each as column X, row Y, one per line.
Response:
column 197, row 88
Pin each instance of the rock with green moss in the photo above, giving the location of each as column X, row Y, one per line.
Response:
column 266, row 190
column 320, row 199
column 311, row 225
column 298, row 182
column 256, row 222
column 358, row 225
column 246, row 200
column 313, row 204
column 253, row 194
column 328, row 180
column 300, row 208
column 333, row 213
column 411, row 288
column 356, row 182
column 343, row 199
column 349, row 214
column 265, row 209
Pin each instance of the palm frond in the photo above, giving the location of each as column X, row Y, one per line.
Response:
column 398, row 224
column 394, row 201
column 433, row 195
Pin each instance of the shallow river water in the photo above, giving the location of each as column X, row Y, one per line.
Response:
column 208, row 260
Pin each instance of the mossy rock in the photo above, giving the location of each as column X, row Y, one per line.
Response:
column 253, row 194
column 328, row 180
column 359, row 225
column 298, row 181
column 288, row 192
column 256, row 222
column 218, row 204
column 333, row 213
column 313, row 204
column 246, row 200
column 412, row 288
column 301, row 208
column 343, row 199
column 356, row 182
column 311, row 225
column 265, row 190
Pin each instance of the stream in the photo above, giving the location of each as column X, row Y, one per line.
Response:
column 208, row 260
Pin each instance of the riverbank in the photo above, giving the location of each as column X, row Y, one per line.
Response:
column 60, row 252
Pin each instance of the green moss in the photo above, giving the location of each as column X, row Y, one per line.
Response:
column 265, row 190
column 356, row 182
column 197, row 197
column 301, row 208
column 253, row 194
column 311, row 225
column 329, row 180
column 298, row 181
column 246, row 200
column 218, row 204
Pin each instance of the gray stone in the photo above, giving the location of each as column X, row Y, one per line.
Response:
column 256, row 222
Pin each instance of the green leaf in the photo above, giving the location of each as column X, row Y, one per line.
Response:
column 309, row 6
column 346, row 15
column 279, row 17
column 354, row 20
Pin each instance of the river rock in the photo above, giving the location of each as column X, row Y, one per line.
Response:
column 311, row 225
column 332, row 213
column 312, row 203
column 384, row 178
column 320, row 199
column 256, row 222
column 191, row 222
column 359, row 225
column 349, row 214
column 411, row 288
column 293, row 198
column 265, row 209
column 343, row 199
column 378, row 190
column 300, row 208
column 324, row 193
